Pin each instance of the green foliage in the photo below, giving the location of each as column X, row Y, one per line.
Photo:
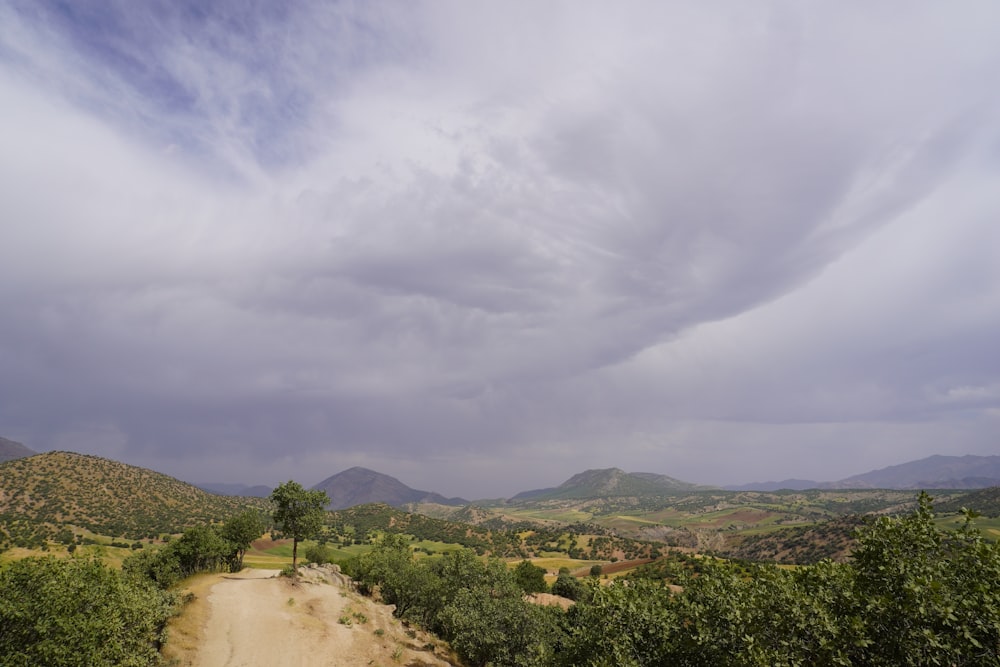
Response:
column 568, row 586
column 298, row 512
column 158, row 566
column 622, row 626
column 911, row 596
column 929, row 597
column 497, row 627
column 319, row 554
column 391, row 568
column 240, row 531
column 530, row 578
column 200, row 549
column 78, row 612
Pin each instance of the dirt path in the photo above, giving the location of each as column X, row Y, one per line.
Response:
column 256, row 619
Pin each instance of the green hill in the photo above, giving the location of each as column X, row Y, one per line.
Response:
column 613, row 483
column 57, row 495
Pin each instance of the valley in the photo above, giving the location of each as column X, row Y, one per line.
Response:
column 572, row 544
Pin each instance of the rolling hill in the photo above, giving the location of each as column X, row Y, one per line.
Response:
column 10, row 450
column 62, row 492
column 360, row 486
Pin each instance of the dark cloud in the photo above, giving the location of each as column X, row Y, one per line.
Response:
column 484, row 247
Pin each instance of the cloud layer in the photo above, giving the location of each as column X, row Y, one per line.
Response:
column 482, row 247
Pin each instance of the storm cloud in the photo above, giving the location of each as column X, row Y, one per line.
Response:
column 483, row 246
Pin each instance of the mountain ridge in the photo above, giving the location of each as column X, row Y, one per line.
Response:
column 933, row 472
column 11, row 450
column 609, row 482
column 362, row 486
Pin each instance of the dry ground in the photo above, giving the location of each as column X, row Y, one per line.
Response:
column 256, row 618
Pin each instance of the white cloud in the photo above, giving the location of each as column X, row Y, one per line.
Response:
column 548, row 228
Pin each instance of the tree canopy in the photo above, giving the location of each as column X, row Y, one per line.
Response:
column 298, row 512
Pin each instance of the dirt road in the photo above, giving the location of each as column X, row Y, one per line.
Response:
column 256, row 619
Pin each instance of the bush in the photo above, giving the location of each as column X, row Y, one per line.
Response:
column 319, row 553
column 79, row 613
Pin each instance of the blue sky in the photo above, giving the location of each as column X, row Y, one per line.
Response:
column 484, row 246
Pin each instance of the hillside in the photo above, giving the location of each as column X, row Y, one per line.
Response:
column 799, row 545
column 669, row 483
column 224, row 489
column 10, row 450
column 360, row 486
column 984, row 501
column 609, row 483
column 61, row 494
column 933, row 472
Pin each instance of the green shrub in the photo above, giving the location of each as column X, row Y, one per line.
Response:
column 79, row 613
column 319, row 553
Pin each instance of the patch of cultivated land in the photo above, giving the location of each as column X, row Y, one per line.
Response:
column 256, row 618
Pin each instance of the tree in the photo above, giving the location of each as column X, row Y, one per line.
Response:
column 240, row 531
column 530, row 577
column 488, row 622
column 298, row 512
column 199, row 549
column 926, row 596
column 568, row 586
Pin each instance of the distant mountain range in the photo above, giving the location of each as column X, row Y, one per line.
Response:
column 933, row 472
column 359, row 486
column 10, row 450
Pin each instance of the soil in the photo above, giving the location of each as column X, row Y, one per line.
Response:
column 256, row 618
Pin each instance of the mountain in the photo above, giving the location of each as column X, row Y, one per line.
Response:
column 360, row 486
column 10, row 450
column 609, row 482
column 933, row 472
column 789, row 484
column 670, row 483
column 223, row 489
column 534, row 493
column 47, row 493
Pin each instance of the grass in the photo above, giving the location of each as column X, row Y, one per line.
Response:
column 989, row 526
column 561, row 514
column 184, row 631
column 436, row 547
column 280, row 554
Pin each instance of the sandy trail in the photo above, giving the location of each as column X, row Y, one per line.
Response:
column 255, row 618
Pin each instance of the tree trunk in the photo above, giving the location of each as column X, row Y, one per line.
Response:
column 295, row 553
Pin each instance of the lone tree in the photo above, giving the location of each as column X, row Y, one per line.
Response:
column 299, row 512
column 241, row 530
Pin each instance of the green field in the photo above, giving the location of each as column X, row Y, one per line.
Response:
column 990, row 527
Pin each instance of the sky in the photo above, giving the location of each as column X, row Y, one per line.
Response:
column 483, row 246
